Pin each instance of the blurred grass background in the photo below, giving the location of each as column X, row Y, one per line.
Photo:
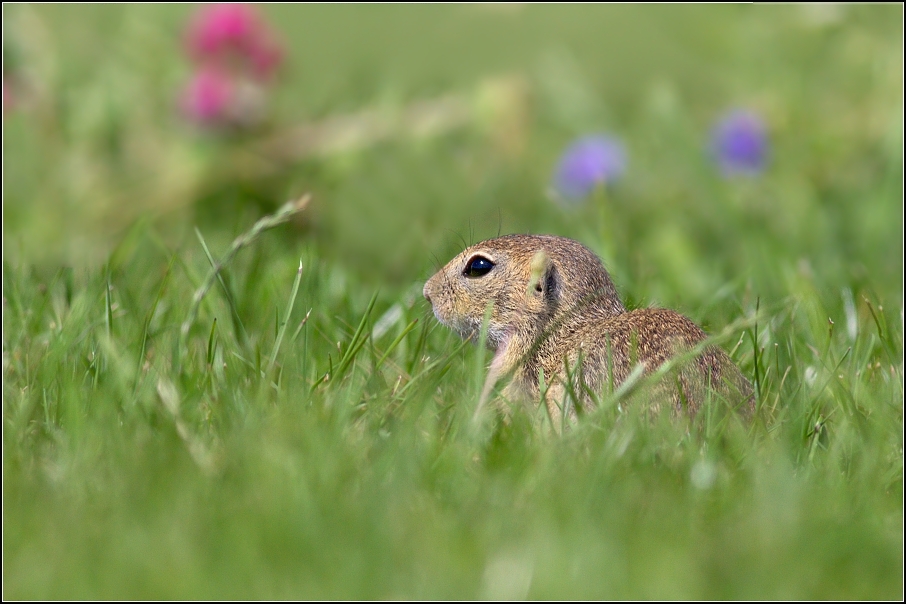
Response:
column 140, row 466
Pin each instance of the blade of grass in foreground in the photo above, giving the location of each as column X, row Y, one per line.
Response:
column 234, row 313
column 284, row 214
column 355, row 344
column 283, row 325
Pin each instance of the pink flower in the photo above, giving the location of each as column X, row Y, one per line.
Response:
column 208, row 97
column 234, row 37
column 235, row 53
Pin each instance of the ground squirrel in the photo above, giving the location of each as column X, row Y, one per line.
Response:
column 554, row 309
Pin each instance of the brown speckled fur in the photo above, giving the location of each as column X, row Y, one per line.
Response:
column 553, row 303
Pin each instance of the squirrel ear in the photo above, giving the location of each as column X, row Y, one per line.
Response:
column 540, row 267
column 551, row 281
column 544, row 281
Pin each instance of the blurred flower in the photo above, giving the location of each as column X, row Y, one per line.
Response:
column 207, row 97
column 588, row 162
column 235, row 38
column 739, row 143
column 235, row 52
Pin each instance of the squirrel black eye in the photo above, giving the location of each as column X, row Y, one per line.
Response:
column 478, row 266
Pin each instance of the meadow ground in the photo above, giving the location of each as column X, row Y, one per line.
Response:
column 308, row 433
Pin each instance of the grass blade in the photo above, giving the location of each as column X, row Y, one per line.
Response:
column 289, row 310
column 396, row 342
column 357, row 341
column 234, row 313
column 284, row 214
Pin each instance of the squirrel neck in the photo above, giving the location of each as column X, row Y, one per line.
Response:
column 525, row 352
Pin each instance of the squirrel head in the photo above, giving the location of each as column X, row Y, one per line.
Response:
column 525, row 282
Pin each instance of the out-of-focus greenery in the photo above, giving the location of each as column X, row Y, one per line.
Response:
column 311, row 436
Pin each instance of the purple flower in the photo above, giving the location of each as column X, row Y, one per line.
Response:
column 587, row 163
column 739, row 143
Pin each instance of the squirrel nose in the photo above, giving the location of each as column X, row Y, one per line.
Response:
column 425, row 293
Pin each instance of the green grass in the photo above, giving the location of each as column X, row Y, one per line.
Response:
column 311, row 436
